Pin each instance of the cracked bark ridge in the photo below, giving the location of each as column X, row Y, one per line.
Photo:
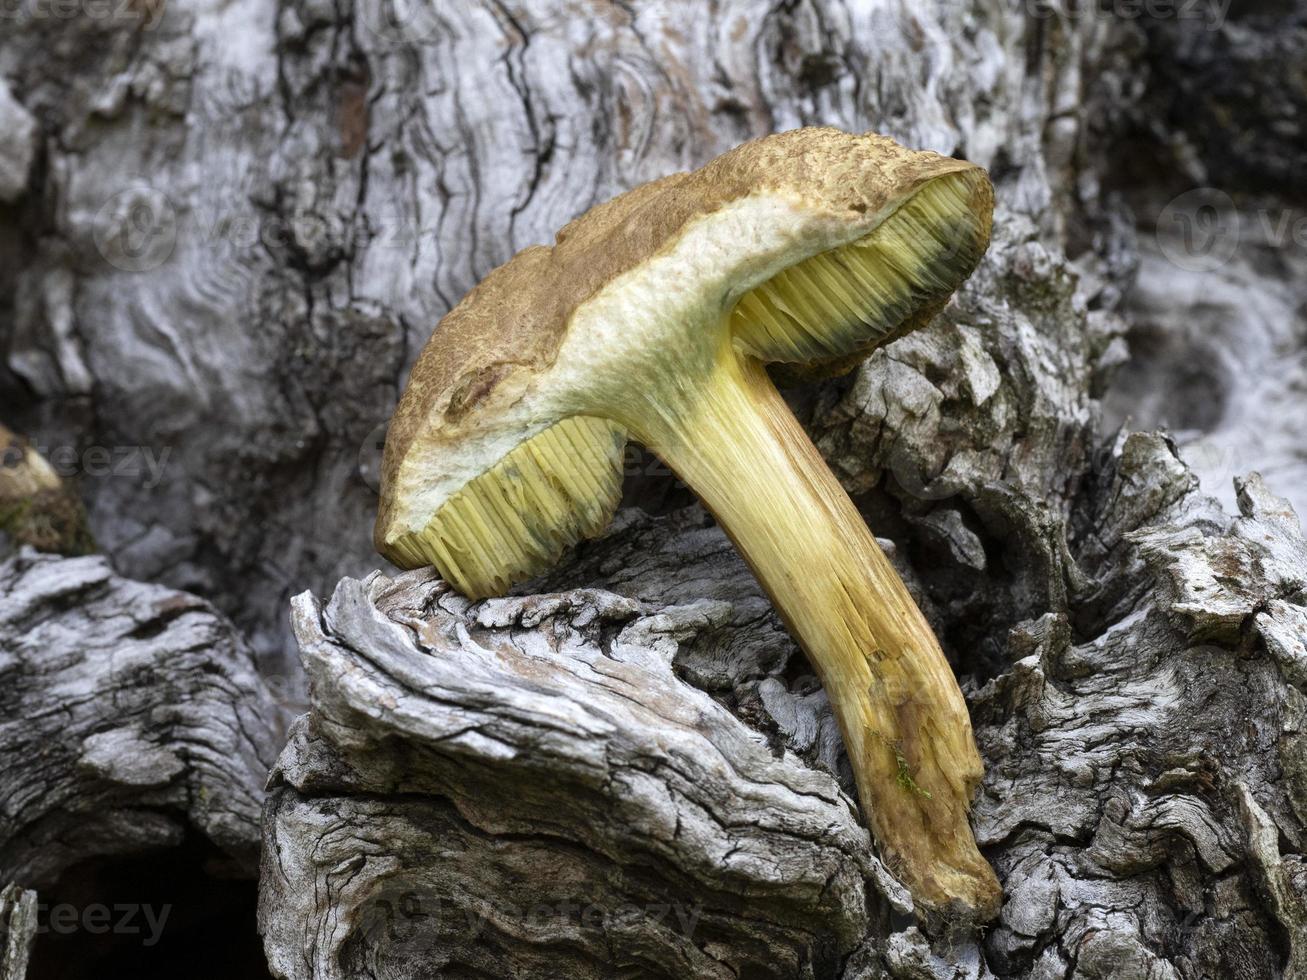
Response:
column 1144, row 798
column 18, row 926
column 524, row 787
column 729, row 640
column 17, row 147
column 130, row 717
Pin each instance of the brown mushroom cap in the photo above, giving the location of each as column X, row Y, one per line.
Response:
column 824, row 188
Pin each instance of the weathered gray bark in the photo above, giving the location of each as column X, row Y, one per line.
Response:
column 18, row 148
column 1143, row 780
column 242, row 219
column 1217, row 151
column 550, row 800
column 17, row 931
column 130, row 715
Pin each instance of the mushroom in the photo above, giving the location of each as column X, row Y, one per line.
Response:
column 651, row 318
column 37, row 508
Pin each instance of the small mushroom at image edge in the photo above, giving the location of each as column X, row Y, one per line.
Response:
column 651, row 318
column 38, row 508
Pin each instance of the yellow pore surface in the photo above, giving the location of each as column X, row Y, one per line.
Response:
column 515, row 520
column 851, row 297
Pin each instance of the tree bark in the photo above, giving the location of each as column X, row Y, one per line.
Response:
column 130, row 716
column 17, row 931
column 561, row 803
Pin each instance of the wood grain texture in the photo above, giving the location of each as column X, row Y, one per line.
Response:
column 130, row 717
column 18, row 925
column 539, row 757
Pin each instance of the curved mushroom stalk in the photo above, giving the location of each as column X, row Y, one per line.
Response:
column 652, row 317
column 904, row 722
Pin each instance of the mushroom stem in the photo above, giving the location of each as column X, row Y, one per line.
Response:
column 903, row 718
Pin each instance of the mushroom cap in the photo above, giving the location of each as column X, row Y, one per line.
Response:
column 764, row 206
